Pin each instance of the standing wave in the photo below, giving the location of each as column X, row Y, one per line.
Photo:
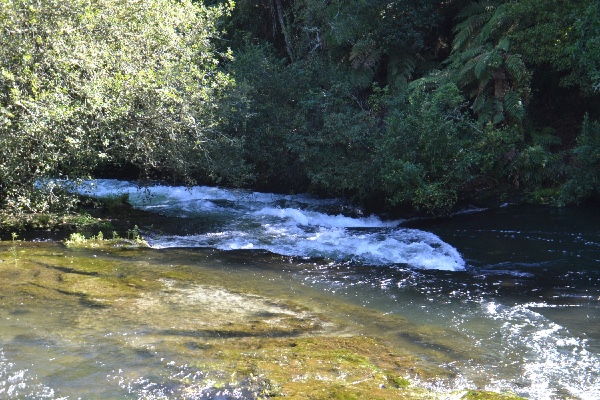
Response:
column 297, row 225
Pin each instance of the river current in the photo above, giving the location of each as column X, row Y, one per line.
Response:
column 514, row 292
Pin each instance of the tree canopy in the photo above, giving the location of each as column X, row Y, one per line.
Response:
column 392, row 103
column 90, row 83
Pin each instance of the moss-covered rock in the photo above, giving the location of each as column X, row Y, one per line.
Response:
column 231, row 328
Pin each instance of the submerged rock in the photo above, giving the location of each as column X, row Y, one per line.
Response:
column 109, row 322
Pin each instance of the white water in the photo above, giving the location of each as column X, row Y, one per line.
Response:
column 287, row 225
column 527, row 300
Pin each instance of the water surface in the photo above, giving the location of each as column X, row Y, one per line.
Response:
column 505, row 299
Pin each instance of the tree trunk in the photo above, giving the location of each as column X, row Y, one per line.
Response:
column 276, row 4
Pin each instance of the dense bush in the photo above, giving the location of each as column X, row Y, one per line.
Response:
column 390, row 103
column 585, row 179
column 84, row 84
column 428, row 150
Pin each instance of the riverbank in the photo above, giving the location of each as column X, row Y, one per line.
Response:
column 106, row 215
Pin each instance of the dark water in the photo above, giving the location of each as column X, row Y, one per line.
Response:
column 529, row 296
column 514, row 304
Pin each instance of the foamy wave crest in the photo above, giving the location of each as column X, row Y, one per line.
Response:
column 286, row 225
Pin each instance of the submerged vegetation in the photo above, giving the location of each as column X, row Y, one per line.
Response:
column 226, row 333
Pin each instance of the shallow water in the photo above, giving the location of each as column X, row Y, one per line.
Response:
column 507, row 299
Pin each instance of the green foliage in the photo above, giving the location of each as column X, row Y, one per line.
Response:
column 534, row 163
column 585, row 179
column 346, row 117
column 271, row 122
column 77, row 239
column 586, row 50
column 361, row 99
column 427, row 150
column 558, row 34
column 482, row 63
column 86, row 84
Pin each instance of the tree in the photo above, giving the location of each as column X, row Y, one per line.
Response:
column 428, row 150
column 584, row 182
column 83, row 84
column 586, row 50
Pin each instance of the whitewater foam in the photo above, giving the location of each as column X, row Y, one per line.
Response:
column 288, row 225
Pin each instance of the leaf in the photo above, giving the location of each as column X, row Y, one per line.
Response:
column 514, row 105
column 515, row 67
column 503, row 44
column 481, row 65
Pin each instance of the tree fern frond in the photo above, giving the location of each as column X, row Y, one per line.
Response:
column 495, row 59
column 471, row 9
column 475, row 17
column 536, row 155
column 402, row 65
column 481, row 65
column 496, row 20
column 514, row 105
column 504, row 45
column 466, row 74
column 516, row 67
column 428, row 82
column 487, row 110
column 546, row 138
column 479, row 103
column 498, row 118
column 364, row 54
column 467, row 32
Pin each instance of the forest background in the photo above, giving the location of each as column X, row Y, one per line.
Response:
column 394, row 105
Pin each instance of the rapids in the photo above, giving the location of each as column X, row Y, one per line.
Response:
column 287, row 225
column 240, row 286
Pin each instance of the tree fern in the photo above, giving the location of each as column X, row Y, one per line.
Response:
column 516, row 67
column 483, row 66
column 402, row 64
column 473, row 16
column 364, row 54
column 429, row 82
column 514, row 105
column 497, row 22
column 546, row 138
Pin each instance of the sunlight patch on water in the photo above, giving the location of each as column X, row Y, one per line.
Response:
column 183, row 382
column 550, row 362
column 17, row 383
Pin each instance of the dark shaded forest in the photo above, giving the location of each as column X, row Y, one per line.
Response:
column 394, row 105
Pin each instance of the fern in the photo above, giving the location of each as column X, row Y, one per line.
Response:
column 504, row 45
column 475, row 29
column 481, row 65
column 546, row 138
column 496, row 22
column 516, row 67
column 364, row 54
column 479, row 103
column 429, row 82
column 514, row 105
column 497, row 81
column 466, row 74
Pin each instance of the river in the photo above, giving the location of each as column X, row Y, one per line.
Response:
column 502, row 300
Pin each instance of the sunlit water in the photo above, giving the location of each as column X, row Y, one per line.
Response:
column 513, row 295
